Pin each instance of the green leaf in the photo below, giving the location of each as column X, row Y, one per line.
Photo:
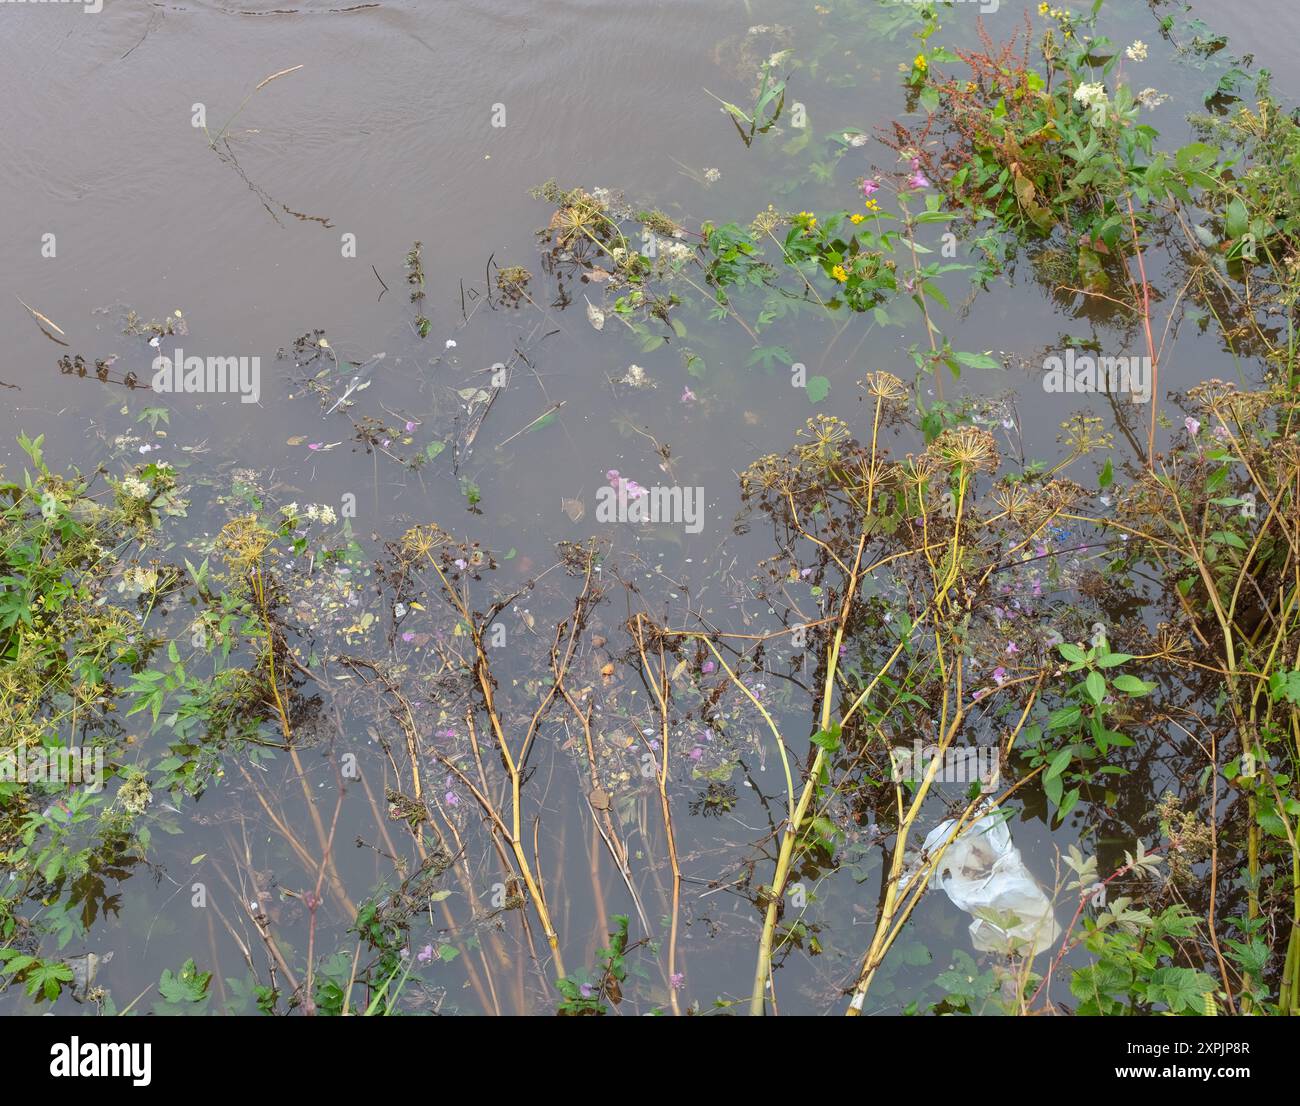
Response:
column 818, row 388
column 1064, row 718
column 827, row 739
column 1059, row 763
column 1112, row 660
column 1132, row 685
column 1095, row 686
column 978, row 360
column 1236, row 220
column 1067, row 803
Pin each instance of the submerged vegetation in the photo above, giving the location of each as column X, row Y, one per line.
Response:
column 1119, row 625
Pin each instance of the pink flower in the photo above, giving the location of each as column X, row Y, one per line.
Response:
column 1193, row 425
column 1012, row 648
column 870, row 186
column 707, row 667
column 315, row 445
column 687, row 395
column 425, row 954
column 918, row 180
column 410, row 425
column 678, row 980
column 999, row 675
column 408, row 636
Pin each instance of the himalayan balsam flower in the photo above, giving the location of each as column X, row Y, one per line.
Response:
column 1193, row 425
column 425, row 955
column 870, row 187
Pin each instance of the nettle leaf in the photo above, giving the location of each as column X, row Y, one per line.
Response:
column 1285, row 685
column 827, row 739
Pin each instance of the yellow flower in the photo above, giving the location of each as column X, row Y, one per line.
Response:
column 839, row 274
column 873, row 205
column 920, row 63
column 1043, row 9
column 857, row 218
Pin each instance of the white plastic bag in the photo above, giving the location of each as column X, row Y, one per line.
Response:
column 983, row 874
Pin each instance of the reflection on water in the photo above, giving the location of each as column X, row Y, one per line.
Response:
column 152, row 210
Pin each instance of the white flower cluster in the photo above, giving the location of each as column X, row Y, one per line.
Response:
column 315, row 512
column 1090, row 93
column 136, row 488
column 678, row 251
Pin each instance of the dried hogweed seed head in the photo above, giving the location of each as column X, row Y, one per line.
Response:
column 966, row 447
column 885, row 386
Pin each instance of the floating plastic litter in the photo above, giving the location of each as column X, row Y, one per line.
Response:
column 983, row 873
